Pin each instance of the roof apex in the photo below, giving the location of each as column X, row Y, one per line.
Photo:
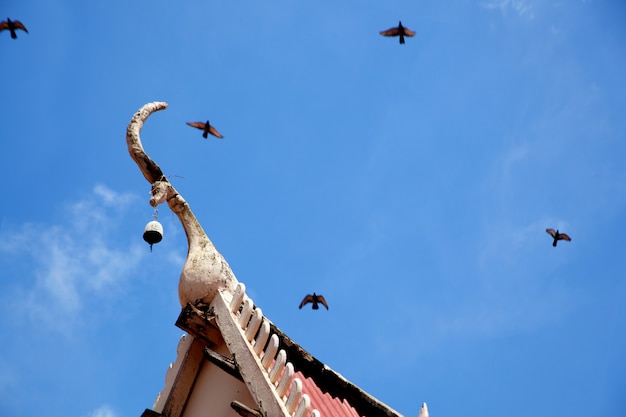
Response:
column 253, row 332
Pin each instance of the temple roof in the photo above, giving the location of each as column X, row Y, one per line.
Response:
column 283, row 378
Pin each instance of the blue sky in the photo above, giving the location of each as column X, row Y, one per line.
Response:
column 410, row 184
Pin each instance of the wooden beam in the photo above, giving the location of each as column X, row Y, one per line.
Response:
column 244, row 410
column 199, row 322
column 181, row 388
column 224, row 363
column 256, row 379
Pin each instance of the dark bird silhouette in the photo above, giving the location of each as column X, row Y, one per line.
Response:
column 398, row 31
column 315, row 299
column 12, row 25
column 206, row 129
column 558, row 236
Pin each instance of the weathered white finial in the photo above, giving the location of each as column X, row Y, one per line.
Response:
column 205, row 271
column 423, row 411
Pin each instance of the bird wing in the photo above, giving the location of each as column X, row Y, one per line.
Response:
column 197, row 125
column 4, row 25
column 551, row 232
column 408, row 32
column 390, row 32
column 321, row 299
column 215, row 133
column 563, row 236
column 307, row 299
column 20, row 25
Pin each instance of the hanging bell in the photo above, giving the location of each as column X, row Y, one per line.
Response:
column 153, row 233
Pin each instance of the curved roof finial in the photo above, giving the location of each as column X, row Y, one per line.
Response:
column 205, row 270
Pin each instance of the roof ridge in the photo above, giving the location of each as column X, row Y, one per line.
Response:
column 255, row 330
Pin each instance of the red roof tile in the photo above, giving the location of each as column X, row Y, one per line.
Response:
column 324, row 402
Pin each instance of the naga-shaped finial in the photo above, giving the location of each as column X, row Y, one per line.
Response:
column 205, row 271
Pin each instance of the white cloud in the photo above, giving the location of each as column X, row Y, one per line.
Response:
column 64, row 266
column 103, row 411
column 110, row 197
column 521, row 7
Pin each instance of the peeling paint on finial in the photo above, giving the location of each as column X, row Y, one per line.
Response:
column 205, row 270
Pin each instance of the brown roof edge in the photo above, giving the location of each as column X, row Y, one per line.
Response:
column 330, row 381
column 149, row 413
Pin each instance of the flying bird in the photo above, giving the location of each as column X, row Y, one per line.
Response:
column 558, row 236
column 206, row 129
column 315, row 299
column 398, row 31
column 11, row 25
